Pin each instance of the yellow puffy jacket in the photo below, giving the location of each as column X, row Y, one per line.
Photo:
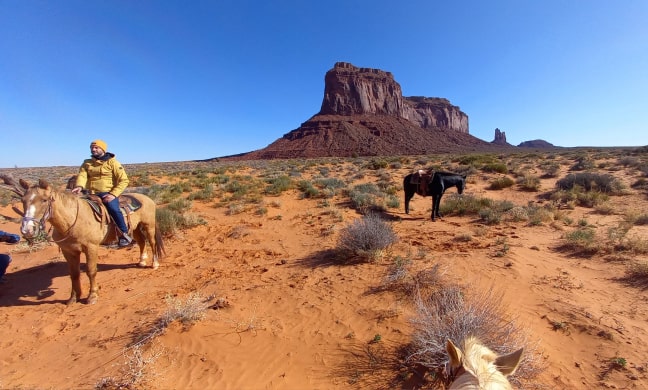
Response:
column 104, row 175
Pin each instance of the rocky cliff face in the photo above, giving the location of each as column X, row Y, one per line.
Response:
column 363, row 113
column 350, row 90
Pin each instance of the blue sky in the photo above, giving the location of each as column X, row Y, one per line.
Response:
column 164, row 81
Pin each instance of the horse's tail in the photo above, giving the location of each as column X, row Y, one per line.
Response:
column 159, row 244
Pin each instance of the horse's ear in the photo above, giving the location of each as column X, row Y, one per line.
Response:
column 454, row 354
column 23, row 184
column 507, row 364
column 42, row 183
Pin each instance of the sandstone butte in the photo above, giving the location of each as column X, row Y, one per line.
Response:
column 364, row 113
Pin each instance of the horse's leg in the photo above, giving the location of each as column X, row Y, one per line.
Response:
column 74, row 261
column 437, row 204
column 149, row 232
column 434, row 205
column 141, row 241
column 408, row 196
column 92, row 255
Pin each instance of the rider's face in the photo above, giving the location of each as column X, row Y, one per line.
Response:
column 96, row 151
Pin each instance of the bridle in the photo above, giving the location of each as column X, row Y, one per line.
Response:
column 452, row 374
column 47, row 215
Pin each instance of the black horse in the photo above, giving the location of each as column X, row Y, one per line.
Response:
column 431, row 185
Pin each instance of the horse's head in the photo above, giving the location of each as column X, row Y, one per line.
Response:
column 37, row 207
column 477, row 367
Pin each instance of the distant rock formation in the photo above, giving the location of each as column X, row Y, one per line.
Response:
column 349, row 91
column 536, row 143
column 500, row 138
column 363, row 113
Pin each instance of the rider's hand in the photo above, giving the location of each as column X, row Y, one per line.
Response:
column 77, row 190
column 108, row 198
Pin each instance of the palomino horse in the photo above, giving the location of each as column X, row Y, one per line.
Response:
column 77, row 229
column 479, row 368
column 427, row 184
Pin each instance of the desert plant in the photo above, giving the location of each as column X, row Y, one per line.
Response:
column 604, row 183
column 367, row 197
column 501, row 183
column 366, row 237
column 277, row 185
column 529, row 182
column 582, row 239
column 451, row 313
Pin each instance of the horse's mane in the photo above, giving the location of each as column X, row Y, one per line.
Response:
column 479, row 362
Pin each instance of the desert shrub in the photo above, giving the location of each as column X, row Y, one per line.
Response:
column 179, row 205
column 539, row 215
column 393, row 202
column 307, row 189
column 640, row 183
column 638, row 270
column 501, row 183
column 164, row 193
column 477, row 160
column 583, row 163
column 139, row 179
column 490, row 216
column 169, row 221
column 277, row 185
column 643, row 168
column 376, row 164
column 455, row 204
column 629, row 161
column 582, row 239
column 207, row 193
column 451, row 313
column 550, row 168
column 641, row 219
column 604, row 183
column 529, row 182
column 495, row 167
column 366, row 237
column 367, row 197
column 6, row 198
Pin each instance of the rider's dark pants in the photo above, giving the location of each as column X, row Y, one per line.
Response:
column 115, row 212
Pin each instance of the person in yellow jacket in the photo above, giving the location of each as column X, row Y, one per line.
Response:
column 105, row 177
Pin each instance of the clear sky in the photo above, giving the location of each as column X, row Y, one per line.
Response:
column 164, row 81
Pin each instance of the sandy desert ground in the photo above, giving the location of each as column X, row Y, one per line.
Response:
column 278, row 310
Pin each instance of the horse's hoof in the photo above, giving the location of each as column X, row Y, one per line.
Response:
column 92, row 300
column 156, row 265
column 142, row 264
column 70, row 301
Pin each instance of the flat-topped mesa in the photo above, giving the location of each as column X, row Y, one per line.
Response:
column 350, row 90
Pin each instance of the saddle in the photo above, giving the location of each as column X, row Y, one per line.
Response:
column 422, row 179
column 127, row 204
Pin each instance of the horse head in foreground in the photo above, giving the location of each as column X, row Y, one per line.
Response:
column 432, row 184
column 78, row 229
column 477, row 367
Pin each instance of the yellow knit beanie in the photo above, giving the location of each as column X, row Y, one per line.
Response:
column 100, row 144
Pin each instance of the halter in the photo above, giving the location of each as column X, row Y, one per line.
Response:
column 47, row 215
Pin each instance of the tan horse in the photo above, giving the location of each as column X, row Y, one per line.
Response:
column 477, row 367
column 77, row 230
